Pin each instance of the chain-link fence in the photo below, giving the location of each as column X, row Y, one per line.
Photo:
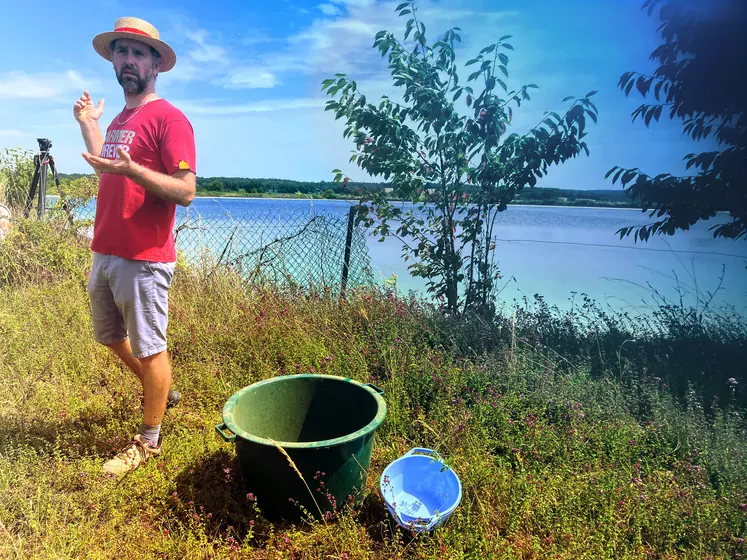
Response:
column 272, row 245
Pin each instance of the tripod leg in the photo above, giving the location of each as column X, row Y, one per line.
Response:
column 54, row 171
column 63, row 204
column 32, row 191
column 41, row 206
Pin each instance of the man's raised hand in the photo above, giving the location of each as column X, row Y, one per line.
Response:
column 84, row 110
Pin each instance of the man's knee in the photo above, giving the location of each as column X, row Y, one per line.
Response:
column 113, row 344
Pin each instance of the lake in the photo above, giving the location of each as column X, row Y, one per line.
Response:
column 554, row 251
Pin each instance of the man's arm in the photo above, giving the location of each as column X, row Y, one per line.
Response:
column 179, row 187
column 88, row 118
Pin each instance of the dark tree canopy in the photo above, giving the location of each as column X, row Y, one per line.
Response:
column 701, row 81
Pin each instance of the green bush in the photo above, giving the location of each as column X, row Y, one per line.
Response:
column 37, row 252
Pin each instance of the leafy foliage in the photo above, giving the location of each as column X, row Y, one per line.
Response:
column 74, row 194
column 700, row 82
column 459, row 170
column 16, row 172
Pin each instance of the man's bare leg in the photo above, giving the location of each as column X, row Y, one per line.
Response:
column 156, row 378
column 156, row 372
column 123, row 349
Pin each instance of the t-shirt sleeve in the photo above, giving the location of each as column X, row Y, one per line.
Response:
column 178, row 146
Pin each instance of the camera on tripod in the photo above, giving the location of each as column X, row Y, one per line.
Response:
column 41, row 161
column 44, row 144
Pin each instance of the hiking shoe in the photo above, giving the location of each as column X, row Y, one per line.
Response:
column 131, row 457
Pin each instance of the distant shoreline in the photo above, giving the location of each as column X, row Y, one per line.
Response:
column 311, row 199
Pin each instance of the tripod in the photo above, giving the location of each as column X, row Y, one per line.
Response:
column 41, row 160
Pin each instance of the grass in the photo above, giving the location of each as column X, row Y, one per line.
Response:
column 564, row 446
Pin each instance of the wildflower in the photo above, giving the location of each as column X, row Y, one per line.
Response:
column 250, row 496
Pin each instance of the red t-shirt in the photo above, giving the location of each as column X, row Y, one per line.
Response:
column 130, row 221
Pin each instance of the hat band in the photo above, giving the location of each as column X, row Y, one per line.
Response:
column 132, row 30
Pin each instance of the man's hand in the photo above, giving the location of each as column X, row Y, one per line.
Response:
column 84, row 110
column 123, row 165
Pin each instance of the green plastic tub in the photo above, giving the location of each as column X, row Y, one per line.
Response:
column 324, row 423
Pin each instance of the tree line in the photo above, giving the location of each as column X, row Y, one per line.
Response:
column 331, row 189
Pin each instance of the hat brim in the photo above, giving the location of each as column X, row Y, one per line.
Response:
column 102, row 41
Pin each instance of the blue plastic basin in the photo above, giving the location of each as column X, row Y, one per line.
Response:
column 420, row 491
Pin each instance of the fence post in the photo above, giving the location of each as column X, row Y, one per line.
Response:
column 348, row 242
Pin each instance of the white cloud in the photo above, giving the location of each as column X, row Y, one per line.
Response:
column 50, row 85
column 446, row 14
column 204, row 51
column 250, row 78
column 13, row 132
column 259, row 38
column 207, row 108
column 329, row 9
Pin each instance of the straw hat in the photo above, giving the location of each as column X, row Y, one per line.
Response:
column 139, row 30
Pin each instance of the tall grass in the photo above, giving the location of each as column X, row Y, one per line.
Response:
column 565, row 447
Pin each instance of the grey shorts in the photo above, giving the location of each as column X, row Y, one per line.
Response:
column 130, row 298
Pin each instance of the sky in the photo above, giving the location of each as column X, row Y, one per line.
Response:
column 248, row 76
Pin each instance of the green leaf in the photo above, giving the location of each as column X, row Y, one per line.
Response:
column 503, row 58
column 647, row 118
column 567, row 98
column 409, row 28
column 488, row 49
column 405, row 12
column 535, row 86
column 457, row 94
column 591, row 93
column 402, row 5
column 505, row 37
column 507, row 46
column 503, row 69
column 470, row 62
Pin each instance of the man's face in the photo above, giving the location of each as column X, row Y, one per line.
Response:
column 134, row 65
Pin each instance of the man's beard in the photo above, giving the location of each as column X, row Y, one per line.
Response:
column 134, row 84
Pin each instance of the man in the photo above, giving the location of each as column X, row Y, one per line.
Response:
column 146, row 165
